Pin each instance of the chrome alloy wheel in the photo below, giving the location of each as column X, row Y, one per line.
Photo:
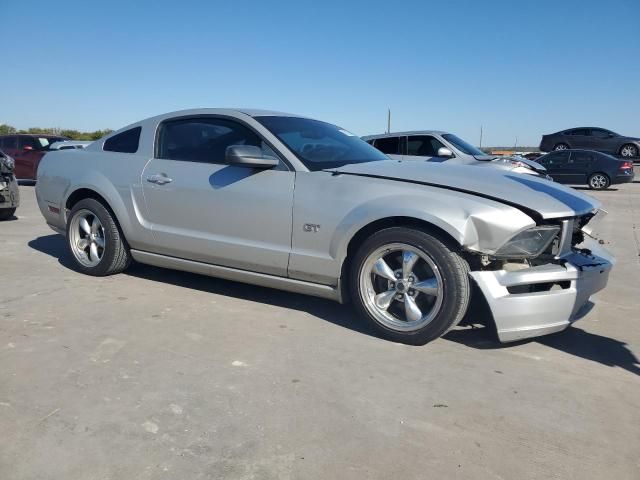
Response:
column 86, row 237
column 629, row 151
column 560, row 146
column 401, row 287
column 599, row 181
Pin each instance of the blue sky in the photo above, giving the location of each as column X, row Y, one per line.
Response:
column 519, row 68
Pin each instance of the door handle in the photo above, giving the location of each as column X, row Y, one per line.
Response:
column 159, row 179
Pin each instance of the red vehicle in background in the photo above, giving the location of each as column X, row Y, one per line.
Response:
column 27, row 150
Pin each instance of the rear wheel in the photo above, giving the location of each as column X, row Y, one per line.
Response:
column 561, row 146
column 7, row 213
column 629, row 151
column 95, row 241
column 409, row 285
column 599, row 181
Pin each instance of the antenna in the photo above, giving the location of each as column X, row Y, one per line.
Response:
column 480, row 136
column 389, row 120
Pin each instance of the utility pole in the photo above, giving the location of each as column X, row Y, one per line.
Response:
column 480, row 137
column 515, row 146
column 389, row 120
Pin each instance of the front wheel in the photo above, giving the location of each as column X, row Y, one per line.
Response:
column 96, row 244
column 599, row 181
column 409, row 285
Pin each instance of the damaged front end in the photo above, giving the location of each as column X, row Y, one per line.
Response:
column 535, row 294
column 9, row 194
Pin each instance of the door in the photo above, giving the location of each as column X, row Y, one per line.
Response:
column 579, row 166
column 580, row 138
column 29, row 155
column 205, row 210
column 602, row 140
column 424, row 147
column 556, row 164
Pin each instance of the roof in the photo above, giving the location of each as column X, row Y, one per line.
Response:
column 404, row 134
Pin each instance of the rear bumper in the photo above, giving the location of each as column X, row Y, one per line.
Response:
column 524, row 315
column 623, row 178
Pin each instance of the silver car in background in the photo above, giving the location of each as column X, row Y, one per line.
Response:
column 438, row 146
column 69, row 144
column 288, row 202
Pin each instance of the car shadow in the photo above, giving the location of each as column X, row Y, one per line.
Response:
column 575, row 341
column 587, row 189
column 341, row 315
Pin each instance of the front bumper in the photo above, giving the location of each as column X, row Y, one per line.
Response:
column 9, row 194
column 567, row 287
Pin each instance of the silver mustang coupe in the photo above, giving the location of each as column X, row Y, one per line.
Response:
column 288, row 202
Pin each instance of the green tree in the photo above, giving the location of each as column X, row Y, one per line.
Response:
column 6, row 129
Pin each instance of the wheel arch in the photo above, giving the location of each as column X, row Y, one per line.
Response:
column 624, row 144
column 84, row 192
column 365, row 231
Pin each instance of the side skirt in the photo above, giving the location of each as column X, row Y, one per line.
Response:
column 244, row 276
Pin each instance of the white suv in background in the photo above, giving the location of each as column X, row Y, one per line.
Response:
column 437, row 146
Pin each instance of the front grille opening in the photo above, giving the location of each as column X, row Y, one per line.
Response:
column 539, row 287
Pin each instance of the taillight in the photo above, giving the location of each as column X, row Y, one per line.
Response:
column 626, row 165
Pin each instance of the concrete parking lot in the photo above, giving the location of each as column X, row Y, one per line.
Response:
column 161, row 374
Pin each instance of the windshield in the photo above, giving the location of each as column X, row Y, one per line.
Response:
column 320, row 145
column 461, row 145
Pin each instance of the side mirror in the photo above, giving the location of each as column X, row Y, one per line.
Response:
column 27, row 148
column 248, row 156
column 611, row 135
column 445, row 153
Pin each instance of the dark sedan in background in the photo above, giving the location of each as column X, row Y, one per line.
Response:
column 592, row 138
column 587, row 167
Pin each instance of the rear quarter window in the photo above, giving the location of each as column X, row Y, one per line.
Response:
column 124, row 142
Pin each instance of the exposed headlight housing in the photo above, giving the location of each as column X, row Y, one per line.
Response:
column 7, row 162
column 528, row 243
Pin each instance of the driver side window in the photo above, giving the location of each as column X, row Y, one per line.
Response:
column 205, row 140
column 423, row 146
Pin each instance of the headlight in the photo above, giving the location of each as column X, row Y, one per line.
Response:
column 530, row 243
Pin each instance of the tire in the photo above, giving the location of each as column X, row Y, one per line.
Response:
column 111, row 254
column 7, row 213
column 437, row 284
column 599, row 181
column 629, row 151
column 561, row 146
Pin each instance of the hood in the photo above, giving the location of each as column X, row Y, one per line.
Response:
column 528, row 192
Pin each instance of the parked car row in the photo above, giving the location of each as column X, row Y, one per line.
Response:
column 293, row 203
column 27, row 151
column 577, row 167
column 592, row 138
